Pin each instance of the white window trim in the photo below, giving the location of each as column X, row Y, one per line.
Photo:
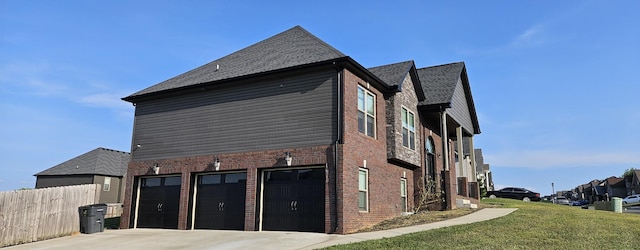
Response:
column 403, row 184
column 366, row 190
column 106, row 186
column 366, row 114
column 409, row 130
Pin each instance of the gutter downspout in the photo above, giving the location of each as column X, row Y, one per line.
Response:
column 340, row 83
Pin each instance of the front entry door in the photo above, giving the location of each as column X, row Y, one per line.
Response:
column 159, row 202
column 294, row 200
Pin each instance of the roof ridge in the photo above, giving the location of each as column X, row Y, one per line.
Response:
column 318, row 39
column 114, row 150
column 386, row 65
column 441, row 65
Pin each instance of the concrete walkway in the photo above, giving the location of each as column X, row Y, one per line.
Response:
column 224, row 239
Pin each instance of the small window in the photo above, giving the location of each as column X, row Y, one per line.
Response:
column 210, row 179
column 403, row 194
column 366, row 112
column 235, row 178
column 408, row 129
column 172, row 181
column 363, row 190
column 107, row 184
column 151, row 182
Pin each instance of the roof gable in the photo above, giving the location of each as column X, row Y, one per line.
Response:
column 394, row 74
column 440, row 83
column 612, row 181
column 293, row 47
column 100, row 161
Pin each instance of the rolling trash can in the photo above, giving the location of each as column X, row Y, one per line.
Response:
column 92, row 218
column 616, row 204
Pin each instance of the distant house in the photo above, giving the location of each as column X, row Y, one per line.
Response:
column 632, row 182
column 483, row 170
column 615, row 187
column 582, row 192
column 291, row 134
column 102, row 166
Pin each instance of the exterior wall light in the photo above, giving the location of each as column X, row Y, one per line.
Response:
column 155, row 169
column 216, row 164
column 288, row 158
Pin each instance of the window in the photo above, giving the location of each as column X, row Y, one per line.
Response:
column 431, row 158
column 172, row 181
column 366, row 112
column 403, row 194
column 107, row 184
column 408, row 129
column 363, row 190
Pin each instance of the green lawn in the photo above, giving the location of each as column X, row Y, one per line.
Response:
column 534, row 225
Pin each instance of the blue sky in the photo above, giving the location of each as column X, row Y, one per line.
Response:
column 553, row 82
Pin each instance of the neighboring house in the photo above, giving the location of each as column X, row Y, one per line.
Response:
column 102, row 166
column 597, row 191
column 615, row 187
column 483, row 170
column 291, row 134
column 579, row 193
column 449, row 106
column 632, row 182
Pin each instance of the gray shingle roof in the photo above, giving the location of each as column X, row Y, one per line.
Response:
column 392, row 74
column 100, row 161
column 439, row 82
column 293, row 47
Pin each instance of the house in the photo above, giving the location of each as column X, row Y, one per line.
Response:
column 103, row 166
column 449, row 106
column 483, row 171
column 615, row 187
column 291, row 134
column 632, row 182
column 582, row 192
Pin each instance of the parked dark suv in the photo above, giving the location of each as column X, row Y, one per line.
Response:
column 515, row 193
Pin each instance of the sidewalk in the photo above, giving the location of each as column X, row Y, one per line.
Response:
column 482, row 215
column 226, row 239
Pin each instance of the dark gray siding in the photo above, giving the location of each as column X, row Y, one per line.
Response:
column 459, row 110
column 44, row 181
column 288, row 111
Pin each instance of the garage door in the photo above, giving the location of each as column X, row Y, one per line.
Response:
column 294, row 200
column 159, row 202
column 220, row 201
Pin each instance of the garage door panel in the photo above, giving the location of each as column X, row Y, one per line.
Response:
column 220, row 201
column 294, row 200
column 159, row 202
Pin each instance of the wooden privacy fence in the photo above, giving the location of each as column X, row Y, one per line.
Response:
column 39, row 214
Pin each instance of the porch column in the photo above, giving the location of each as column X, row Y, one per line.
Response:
column 445, row 140
column 474, row 164
column 462, row 169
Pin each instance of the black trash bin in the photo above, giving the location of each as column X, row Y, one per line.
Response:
column 92, row 218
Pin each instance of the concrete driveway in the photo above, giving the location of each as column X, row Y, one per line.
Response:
column 223, row 239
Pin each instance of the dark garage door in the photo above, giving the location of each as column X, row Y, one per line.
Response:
column 220, row 201
column 294, row 200
column 159, row 202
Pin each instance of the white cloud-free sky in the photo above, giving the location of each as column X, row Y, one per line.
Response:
column 553, row 82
